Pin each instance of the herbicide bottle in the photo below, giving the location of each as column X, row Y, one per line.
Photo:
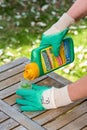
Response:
column 43, row 60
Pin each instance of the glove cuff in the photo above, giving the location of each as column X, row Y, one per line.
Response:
column 64, row 22
column 61, row 96
column 48, row 101
column 55, row 97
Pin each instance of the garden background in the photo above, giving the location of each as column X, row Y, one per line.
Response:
column 22, row 23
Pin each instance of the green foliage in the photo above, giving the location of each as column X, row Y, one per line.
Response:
column 22, row 23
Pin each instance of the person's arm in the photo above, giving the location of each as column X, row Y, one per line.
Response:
column 78, row 90
column 78, row 10
column 41, row 98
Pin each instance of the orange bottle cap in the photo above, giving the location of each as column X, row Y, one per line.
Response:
column 31, row 71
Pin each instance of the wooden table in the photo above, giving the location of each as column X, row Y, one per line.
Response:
column 71, row 117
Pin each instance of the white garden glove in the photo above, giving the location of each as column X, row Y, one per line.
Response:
column 56, row 33
column 56, row 97
column 64, row 22
column 42, row 98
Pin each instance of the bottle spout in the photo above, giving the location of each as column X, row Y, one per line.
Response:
column 31, row 71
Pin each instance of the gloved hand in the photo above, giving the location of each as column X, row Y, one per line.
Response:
column 42, row 98
column 56, row 33
column 32, row 99
column 54, row 40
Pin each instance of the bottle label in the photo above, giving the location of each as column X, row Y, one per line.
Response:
column 50, row 62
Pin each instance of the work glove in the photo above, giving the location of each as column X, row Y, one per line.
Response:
column 42, row 98
column 56, row 33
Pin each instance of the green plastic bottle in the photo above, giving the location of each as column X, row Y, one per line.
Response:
column 43, row 60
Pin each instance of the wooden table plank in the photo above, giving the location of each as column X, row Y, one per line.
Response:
column 11, row 72
column 50, row 82
column 33, row 114
column 8, row 91
column 77, row 124
column 19, row 128
column 13, row 64
column 11, row 99
column 19, row 117
column 66, row 118
column 52, row 114
column 10, row 81
column 55, row 119
column 58, row 78
column 8, row 124
column 3, row 116
column 16, row 107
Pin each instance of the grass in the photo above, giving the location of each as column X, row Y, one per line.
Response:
column 21, row 27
